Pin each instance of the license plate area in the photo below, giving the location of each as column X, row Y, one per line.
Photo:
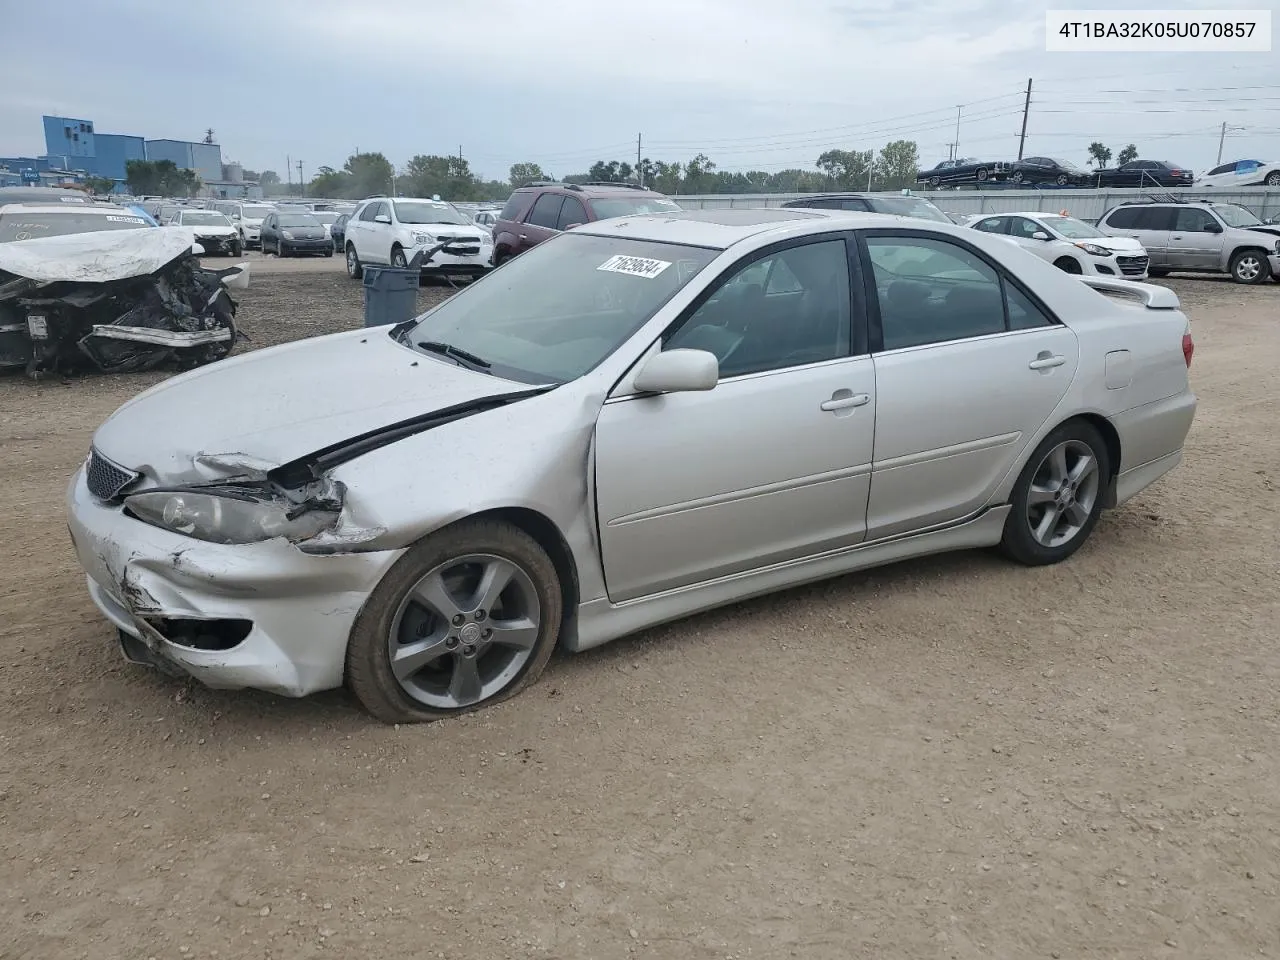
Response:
column 38, row 326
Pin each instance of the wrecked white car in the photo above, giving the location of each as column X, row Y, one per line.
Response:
column 93, row 288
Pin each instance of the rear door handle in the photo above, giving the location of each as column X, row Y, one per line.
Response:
column 1045, row 362
column 845, row 403
column 523, row 237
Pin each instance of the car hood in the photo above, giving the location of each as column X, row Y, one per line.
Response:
column 213, row 231
column 1266, row 228
column 99, row 256
column 304, row 233
column 457, row 231
column 251, row 221
column 283, row 403
column 1118, row 244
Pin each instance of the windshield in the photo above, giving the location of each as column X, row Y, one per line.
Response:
column 1073, row 229
column 1067, row 165
column 298, row 220
column 325, row 216
column 254, row 213
column 190, row 219
column 1234, row 215
column 29, row 226
column 631, row 206
column 556, row 311
column 426, row 211
column 908, row 207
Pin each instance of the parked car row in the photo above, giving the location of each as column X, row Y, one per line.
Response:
column 1040, row 171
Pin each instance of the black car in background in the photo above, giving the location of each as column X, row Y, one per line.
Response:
column 1143, row 173
column 964, row 170
column 288, row 233
column 338, row 231
column 1038, row 170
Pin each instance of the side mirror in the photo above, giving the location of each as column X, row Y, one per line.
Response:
column 382, row 218
column 1039, row 235
column 1213, row 228
column 677, row 371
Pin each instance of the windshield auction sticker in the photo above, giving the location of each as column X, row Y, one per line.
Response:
column 634, row 266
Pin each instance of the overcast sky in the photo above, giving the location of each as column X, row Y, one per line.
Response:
column 753, row 84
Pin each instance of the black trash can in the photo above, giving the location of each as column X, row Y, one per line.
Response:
column 390, row 295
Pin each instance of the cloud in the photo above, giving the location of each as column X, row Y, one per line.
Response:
column 750, row 83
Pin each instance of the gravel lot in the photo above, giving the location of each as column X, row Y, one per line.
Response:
column 952, row 758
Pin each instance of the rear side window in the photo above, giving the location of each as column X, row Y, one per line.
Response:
column 368, row 213
column 516, row 206
column 993, row 225
column 546, row 211
column 1141, row 218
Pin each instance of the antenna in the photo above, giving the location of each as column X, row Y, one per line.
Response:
column 208, row 136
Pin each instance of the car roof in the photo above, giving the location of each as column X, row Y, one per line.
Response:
column 721, row 229
column 591, row 190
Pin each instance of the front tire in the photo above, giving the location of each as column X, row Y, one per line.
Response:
column 237, row 248
column 981, row 174
column 398, row 259
column 1063, row 179
column 1058, row 496
column 1068, row 265
column 1250, row 266
column 466, row 618
column 354, row 270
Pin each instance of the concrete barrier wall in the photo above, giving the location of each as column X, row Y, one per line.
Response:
column 1084, row 204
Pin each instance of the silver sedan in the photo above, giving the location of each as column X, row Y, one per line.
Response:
column 640, row 419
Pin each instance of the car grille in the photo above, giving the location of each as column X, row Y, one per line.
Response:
column 105, row 479
column 1132, row 266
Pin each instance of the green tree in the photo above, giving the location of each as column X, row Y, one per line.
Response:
column 1099, row 154
column 522, row 173
column 848, row 168
column 449, row 177
column 897, row 165
column 160, row 178
column 99, row 185
column 327, row 183
column 1128, row 153
column 697, row 174
column 370, row 173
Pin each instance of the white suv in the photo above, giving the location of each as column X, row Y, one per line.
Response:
column 248, row 219
column 390, row 230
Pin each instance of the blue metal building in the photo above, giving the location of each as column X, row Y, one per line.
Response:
column 204, row 158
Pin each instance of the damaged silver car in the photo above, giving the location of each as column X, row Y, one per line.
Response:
column 637, row 420
column 95, row 287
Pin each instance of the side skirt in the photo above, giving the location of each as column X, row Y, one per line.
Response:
column 599, row 621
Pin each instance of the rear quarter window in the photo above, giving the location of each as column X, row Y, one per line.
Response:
column 517, row 206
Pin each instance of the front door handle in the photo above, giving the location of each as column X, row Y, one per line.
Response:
column 523, row 237
column 1046, row 361
column 846, row 401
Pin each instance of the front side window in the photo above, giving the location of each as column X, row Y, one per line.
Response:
column 909, row 207
column 555, row 312
column 368, row 213
column 783, row 310
column 993, row 225
column 573, row 212
column 932, row 291
column 1191, row 220
column 1024, row 228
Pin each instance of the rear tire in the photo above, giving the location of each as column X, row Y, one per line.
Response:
column 1273, row 179
column 354, row 269
column 1058, row 497
column 981, row 174
column 1250, row 266
column 1069, row 265
column 236, row 248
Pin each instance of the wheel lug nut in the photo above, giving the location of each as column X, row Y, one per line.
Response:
column 487, row 633
column 451, row 643
column 480, row 614
column 468, row 650
column 458, row 620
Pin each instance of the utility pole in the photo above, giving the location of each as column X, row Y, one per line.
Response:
column 1026, row 108
column 957, row 143
column 639, row 169
column 302, row 184
column 288, row 174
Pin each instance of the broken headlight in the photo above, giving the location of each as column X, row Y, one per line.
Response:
column 228, row 517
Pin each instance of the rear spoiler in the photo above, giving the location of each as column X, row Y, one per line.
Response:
column 1153, row 296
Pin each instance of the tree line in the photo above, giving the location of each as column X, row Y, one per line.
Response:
column 364, row 174
column 1100, row 154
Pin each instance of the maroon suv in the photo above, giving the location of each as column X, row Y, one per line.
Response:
column 541, row 210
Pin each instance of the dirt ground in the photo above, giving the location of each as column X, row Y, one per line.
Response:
column 952, row 758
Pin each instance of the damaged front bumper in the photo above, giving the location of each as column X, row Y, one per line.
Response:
column 263, row 615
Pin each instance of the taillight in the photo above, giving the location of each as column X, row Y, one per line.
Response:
column 1188, row 348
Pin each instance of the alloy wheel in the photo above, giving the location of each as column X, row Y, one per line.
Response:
column 464, row 632
column 1063, row 493
column 1247, row 268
